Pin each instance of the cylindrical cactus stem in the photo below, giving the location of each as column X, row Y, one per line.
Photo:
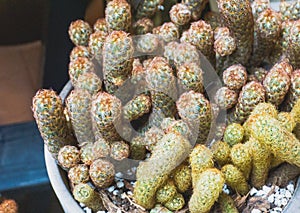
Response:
column 78, row 106
column 119, row 150
column 101, row 148
column 79, row 32
column 293, row 45
column 86, row 153
column 117, row 59
column 261, row 159
column 78, row 67
column 96, row 42
column 221, row 152
column 195, row 110
column 235, row 179
column 226, row 98
column 49, row 115
column 235, row 77
column 258, row 6
column 213, row 18
column 196, row 7
column 252, row 94
column 85, row 194
column 282, row 143
column 267, row 33
column 79, row 174
column 148, row 8
column 242, row 28
column 176, row 203
column 168, row 32
column 100, row 25
column 166, row 192
column 137, row 148
column 294, row 91
column 90, row 82
column 241, row 158
column 160, row 209
column 206, row 191
column 106, row 114
column 180, row 14
column 234, row 134
column 201, row 158
column 80, row 51
column 118, row 15
column 182, row 177
column 276, row 84
column 143, row 26
column 227, row 204
column 102, row 173
column 179, row 127
column 152, row 136
column 137, row 107
column 68, row 156
column 286, row 120
column 201, row 35
column 169, row 152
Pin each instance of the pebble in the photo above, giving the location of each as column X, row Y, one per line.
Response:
column 87, row 210
column 266, row 189
column 119, row 174
column 116, row 192
column 101, row 211
column 271, row 198
column 290, row 187
column 111, row 189
column 253, row 191
column 120, row 184
column 260, row 193
column 123, row 196
column 255, row 211
column 284, row 201
column 129, row 193
column 119, row 211
column 81, row 204
column 278, row 209
column 288, row 194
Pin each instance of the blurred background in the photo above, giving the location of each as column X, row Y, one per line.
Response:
column 34, row 54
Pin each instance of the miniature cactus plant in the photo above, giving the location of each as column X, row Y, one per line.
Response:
column 79, row 32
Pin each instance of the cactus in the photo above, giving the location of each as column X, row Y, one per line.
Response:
column 137, row 107
column 79, row 174
column 226, row 98
column 90, row 82
column 80, row 51
column 49, row 115
column 293, row 44
column 224, row 46
column 176, row 203
column 261, row 160
column 78, row 67
column 182, row 177
column 102, row 173
column 101, row 148
column 195, row 110
column 213, row 18
column 78, row 105
column 79, row 32
column 148, row 8
column 68, row 157
column 169, row 152
column 201, row 158
column 9, row 206
column 241, row 158
column 234, row 134
column 186, row 54
column 294, row 91
column 235, row 77
column 160, row 209
column 168, row 32
column 86, row 153
column 143, row 26
column 100, row 25
column 106, row 113
column 276, row 84
column 258, row 6
column 119, row 150
column 227, row 204
column 153, row 136
column 96, row 42
column 166, row 192
column 286, row 120
column 117, row 59
column 137, row 148
column 147, row 43
column 282, row 143
column 206, row 191
column 85, row 194
column 118, row 15
column 267, row 33
column 180, row 14
column 237, row 16
column 252, row 94
column 221, row 152
column 196, row 7
column 235, row 179
column 179, row 127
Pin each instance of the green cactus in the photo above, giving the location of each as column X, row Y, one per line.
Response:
column 90, row 82
column 85, row 194
column 78, row 67
column 79, row 174
column 180, row 14
column 176, row 203
column 182, row 177
column 143, row 26
column 79, row 32
column 235, row 76
column 234, row 134
column 100, row 25
column 148, row 8
column 96, row 42
column 68, row 157
column 235, row 179
column 227, row 204
column 86, row 153
column 80, row 51
column 166, row 192
column 137, row 107
column 241, row 158
column 221, row 152
column 226, row 98
column 119, row 150
column 196, row 7
column 137, row 148
column 118, row 15
column 206, row 191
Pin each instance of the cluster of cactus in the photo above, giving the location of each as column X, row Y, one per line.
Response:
column 118, row 80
